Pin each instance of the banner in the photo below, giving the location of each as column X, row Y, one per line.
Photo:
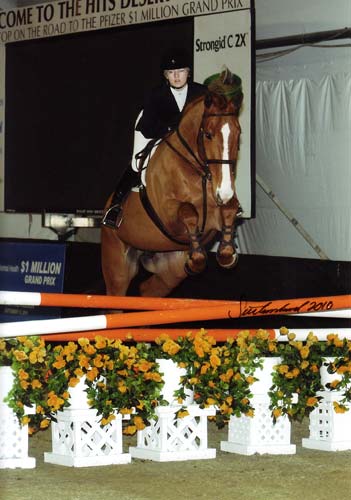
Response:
column 64, row 17
column 31, row 267
column 226, row 40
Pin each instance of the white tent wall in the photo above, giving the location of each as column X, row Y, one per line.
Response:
column 303, row 106
column 303, row 131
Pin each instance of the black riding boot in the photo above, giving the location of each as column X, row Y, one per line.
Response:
column 129, row 179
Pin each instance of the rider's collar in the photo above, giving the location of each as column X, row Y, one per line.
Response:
column 181, row 90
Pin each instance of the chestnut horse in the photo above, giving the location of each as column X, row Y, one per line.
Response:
column 188, row 200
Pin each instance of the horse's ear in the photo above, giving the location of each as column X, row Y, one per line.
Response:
column 224, row 77
column 228, row 78
column 208, row 99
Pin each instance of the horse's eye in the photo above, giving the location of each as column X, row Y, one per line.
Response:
column 208, row 135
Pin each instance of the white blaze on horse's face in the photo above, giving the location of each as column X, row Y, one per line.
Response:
column 225, row 191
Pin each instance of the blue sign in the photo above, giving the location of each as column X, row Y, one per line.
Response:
column 31, row 267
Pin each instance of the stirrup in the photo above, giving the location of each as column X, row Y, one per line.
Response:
column 113, row 217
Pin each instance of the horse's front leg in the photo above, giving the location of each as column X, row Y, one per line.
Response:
column 226, row 252
column 197, row 258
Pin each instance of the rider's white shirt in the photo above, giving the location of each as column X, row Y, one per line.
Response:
column 180, row 96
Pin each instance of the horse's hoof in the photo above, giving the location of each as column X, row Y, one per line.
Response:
column 230, row 264
column 188, row 270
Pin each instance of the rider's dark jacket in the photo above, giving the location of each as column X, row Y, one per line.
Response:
column 161, row 113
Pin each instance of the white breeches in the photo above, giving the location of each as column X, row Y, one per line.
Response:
column 140, row 143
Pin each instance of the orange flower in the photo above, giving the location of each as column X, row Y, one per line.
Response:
column 59, row 363
column 92, row 374
column 215, row 360
column 98, row 361
column 139, row 423
column 130, row 430
column 73, row 381
column 311, row 401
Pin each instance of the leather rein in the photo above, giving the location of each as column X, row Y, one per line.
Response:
column 201, row 167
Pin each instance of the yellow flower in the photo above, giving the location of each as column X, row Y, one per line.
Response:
column 25, row 420
column 277, row 412
column 250, row 380
column 37, row 356
column 283, row 369
column 100, row 342
column 283, row 330
column 334, row 383
column 36, row 384
column 44, row 424
column 339, row 408
column 23, row 375
column 154, row 376
column 39, row 409
column 143, row 366
column 20, row 355
column 250, row 413
column 122, row 387
column 204, row 368
column 83, row 341
column 304, row 365
column 171, row 347
column 24, row 384
column 182, row 413
column 108, row 420
column 78, row 372
column 54, row 401
column 83, row 361
column 126, row 411
column 211, row 401
column 304, row 352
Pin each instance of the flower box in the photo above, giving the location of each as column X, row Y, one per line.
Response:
column 169, row 438
column 79, row 440
column 13, row 436
column 329, row 431
column 258, row 434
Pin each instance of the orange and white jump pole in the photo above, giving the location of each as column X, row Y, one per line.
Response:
column 160, row 317
column 252, row 308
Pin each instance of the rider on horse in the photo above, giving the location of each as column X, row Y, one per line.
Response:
column 161, row 114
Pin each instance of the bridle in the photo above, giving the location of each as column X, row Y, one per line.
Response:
column 200, row 163
column 201, row 144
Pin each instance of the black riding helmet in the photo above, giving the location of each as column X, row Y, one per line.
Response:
column 175, row 58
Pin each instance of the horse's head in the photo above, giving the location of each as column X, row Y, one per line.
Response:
column 219, row 134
